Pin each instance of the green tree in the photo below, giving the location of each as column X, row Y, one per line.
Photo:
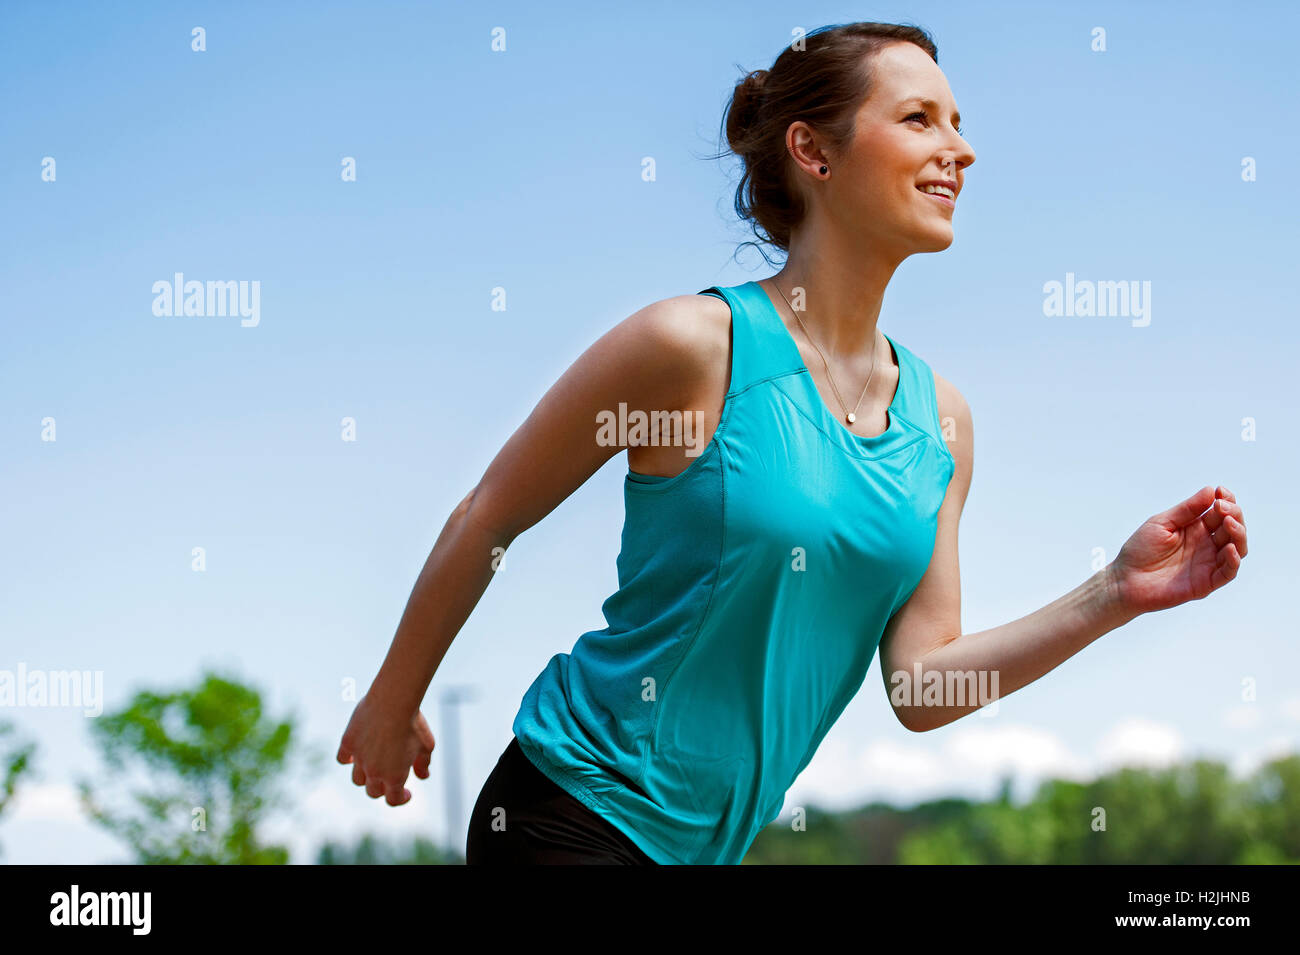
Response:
column 1273, row 830
column 1193, row 813
column 870, row 835
column 16, row 761
column 213, row 761
column 371, row 850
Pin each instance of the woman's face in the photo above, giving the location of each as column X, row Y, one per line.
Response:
column 901, row 142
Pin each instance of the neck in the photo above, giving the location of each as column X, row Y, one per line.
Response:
column 844, row 287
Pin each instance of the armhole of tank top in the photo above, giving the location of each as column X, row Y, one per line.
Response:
column 635, row 480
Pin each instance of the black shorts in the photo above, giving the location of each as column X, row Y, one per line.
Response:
column 541, row 823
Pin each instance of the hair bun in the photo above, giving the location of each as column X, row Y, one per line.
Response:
column 746, row 101
column 755, row 86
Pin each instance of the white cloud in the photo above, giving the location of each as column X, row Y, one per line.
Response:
column 1245, row 762
column 971, row 762
column 1139, row 742
column 46, row 801
column 1018, row 749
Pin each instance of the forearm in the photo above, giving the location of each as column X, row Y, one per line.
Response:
column 453, row 579
column 1013, row 655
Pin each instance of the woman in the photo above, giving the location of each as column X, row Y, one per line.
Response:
column 766, row 555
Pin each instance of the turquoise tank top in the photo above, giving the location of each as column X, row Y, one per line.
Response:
column 753, row 589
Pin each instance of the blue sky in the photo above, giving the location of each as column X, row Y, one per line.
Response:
column 522, row 169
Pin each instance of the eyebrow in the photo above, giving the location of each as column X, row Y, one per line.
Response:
column 931, row 104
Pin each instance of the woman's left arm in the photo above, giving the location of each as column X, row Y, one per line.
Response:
column 1182, row 554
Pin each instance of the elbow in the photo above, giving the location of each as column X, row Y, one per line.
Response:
column 926, row 718
column 908, row 709
column 466, row 502
column 912, row 719
column 476, row 508
column 923, row 719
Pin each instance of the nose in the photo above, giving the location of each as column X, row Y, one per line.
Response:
column 961, row 156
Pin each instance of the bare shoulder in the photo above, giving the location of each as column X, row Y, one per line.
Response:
column 694, row 329
column 956, row 428
column 682, row 349
column 952, row 403
column 684, row 342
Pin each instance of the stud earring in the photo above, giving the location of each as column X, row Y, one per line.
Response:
column 823, row 170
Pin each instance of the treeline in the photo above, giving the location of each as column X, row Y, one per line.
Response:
column 215, row 764
column 1190, row 814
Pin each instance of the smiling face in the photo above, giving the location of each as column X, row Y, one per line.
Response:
column 905, row 136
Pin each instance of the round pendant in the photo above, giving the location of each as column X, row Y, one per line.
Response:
column 852, row 417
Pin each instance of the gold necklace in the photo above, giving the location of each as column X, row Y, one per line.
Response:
column 849, row 416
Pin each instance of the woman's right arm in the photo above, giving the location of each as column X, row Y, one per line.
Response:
column 660, row 358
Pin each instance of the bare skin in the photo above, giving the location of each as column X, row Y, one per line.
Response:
column 865, row 217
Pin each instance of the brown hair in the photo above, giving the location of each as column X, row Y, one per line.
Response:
column 822, row 84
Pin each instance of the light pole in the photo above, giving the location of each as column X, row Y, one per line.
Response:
column 450, row 699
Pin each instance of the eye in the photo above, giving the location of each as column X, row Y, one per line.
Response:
column 926, row 120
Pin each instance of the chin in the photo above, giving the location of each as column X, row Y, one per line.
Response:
column 936, row 241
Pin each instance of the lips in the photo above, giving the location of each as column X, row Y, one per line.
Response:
column 950, row 203
column 946, row 188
